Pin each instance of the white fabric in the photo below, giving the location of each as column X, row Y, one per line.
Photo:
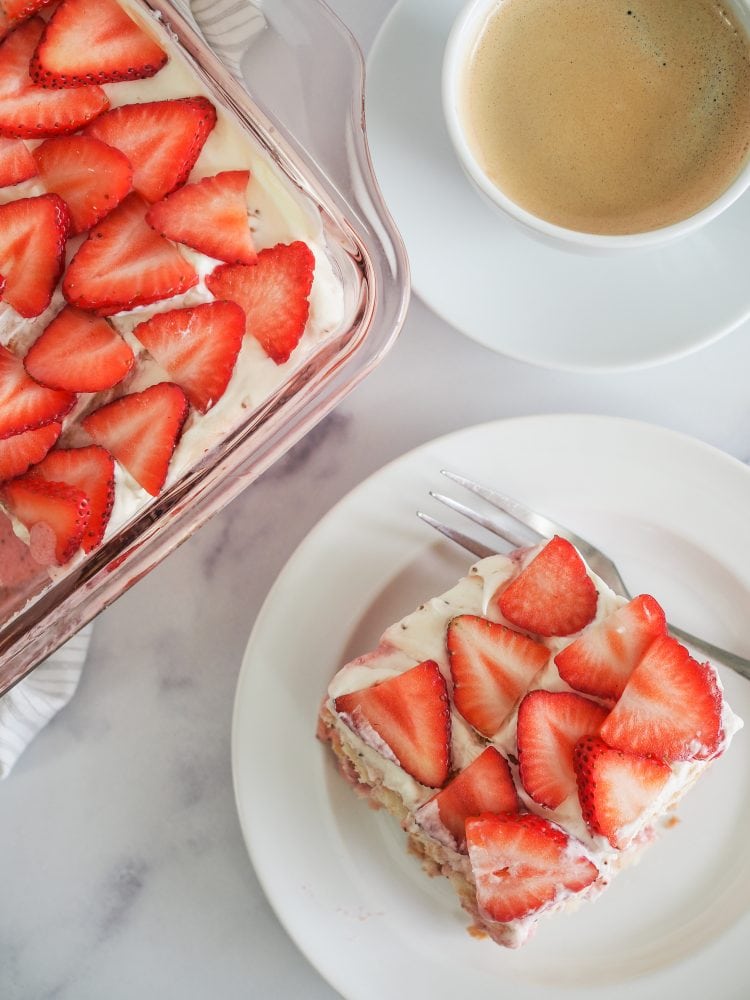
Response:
column 36, row 699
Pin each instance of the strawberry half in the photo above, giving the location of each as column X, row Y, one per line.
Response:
column 24, row 404
column 616, row 788
column 485, row 786
column 91, row 470
column 197, row 347
column 93, row 41
column 33, row 232
column 601, row 660
column 89, row 175
column 670, row 708
column 62, row 510
column 31, row 112
column 550, row 723
column 274, row 294
column 19, row 452
column 79, row 352
column 162, row 140
column 491, row 666
column 407, row 720
column 141, row 431
column 523, row 865
column 210, row 216
column 553, row 595
column 124, row 264
column 16, row 162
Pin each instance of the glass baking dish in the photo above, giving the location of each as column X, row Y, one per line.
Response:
column 306, row 75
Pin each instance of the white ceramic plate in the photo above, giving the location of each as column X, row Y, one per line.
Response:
column 505, row 289
column 673, row 512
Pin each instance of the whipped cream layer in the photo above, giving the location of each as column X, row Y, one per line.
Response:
column 277, row 214
column 422, row 636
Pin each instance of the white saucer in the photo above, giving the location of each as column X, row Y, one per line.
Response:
column 505, row 289
column 673, row 512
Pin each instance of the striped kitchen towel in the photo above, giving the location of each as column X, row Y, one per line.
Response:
column 30, row 705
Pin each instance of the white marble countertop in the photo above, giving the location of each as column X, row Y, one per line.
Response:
column 123, row 872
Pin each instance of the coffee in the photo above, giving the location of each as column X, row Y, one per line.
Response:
column 609, row 116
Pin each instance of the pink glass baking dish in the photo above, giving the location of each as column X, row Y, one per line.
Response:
column 306, row 75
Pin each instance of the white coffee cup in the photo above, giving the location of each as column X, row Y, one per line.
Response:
column 464, row 35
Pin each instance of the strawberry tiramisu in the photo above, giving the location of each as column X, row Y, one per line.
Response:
column 531, row 731
column 160, row 277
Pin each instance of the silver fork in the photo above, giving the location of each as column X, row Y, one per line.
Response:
column 542, row 527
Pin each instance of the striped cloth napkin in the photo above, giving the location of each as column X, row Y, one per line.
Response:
column 228, row 26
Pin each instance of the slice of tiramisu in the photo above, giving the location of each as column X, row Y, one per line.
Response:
column 530, row 730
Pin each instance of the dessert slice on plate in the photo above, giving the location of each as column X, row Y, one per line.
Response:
column 531, row 731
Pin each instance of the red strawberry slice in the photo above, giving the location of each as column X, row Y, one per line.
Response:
column 550, row 723
column 89, row 175
column 406, row 719
column 16, row 162
column 485, row 786
column 17, row 453
column 616, row 788
column 553, row 595
column 32, row 251
column 273, row 293
column 79, row 352
column 601, row 660
column 210, row 216
column 162, row 140
column 91, row 470
column 18, row 10
column 24, row 404
column 4, row 24
column 93, row 41
column 124, row 264
column 197, row 347
column 62, row 510
column 670, row 708
column 491, row 666
column 31, row 112
column 141, row 431
column 523, row 865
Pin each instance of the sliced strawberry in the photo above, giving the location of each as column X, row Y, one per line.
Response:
column 93, row 41
column 124, row 264
column 550, row 723
column 407, row 720
column 601, row 660
column 141, row 431
column 62, row 509
column 162, row 140
column 24, row 404
column 79, row 352
column 553, row 595
column 616, row 788
column 274, row 294
column 32, row 250
column 17, row 453
column 485, row 786
column 91, row 470
column 4, row 24
column 31, row 112
column 18, row 10
column 91, row 176
column 16, row 162
column 523, row 865
column 210, row 216
column 491, row 666
column 197, row 347
column 670, row 708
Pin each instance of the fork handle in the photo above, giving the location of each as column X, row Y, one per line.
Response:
column 723, row 656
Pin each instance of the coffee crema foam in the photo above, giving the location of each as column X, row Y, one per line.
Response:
column 609, row 116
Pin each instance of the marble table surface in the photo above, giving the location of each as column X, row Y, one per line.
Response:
column 123, row 872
